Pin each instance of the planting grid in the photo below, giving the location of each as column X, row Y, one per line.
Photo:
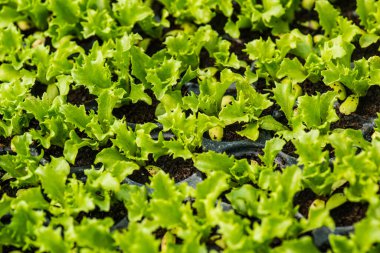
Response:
column 189, row 126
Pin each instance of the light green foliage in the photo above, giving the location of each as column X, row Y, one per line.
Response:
column 318, row 111
column 95, row 94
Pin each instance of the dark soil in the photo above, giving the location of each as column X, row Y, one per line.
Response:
column 369, row 105
column 5, row 186
column 117, row 212
column 80, row 95
column 230, row 132
column 205, row 59
column 38, row 89
column 349, row 213
column 139, row 112
column 54, row 151
column 178, row 169
column 290, row 149
column 344, row 215
column 366, row 53
column 85, row 157
column 368, row 108
column 5, row 141
column 310, row 88
column 303, row 16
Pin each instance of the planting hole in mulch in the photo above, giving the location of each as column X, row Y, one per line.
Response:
column 230, row 133
column 368, row 108
column 139, row 112
column 344, row 215
column 80, row 95
column 178, row 169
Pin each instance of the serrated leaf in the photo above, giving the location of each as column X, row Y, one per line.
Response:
column 283, row 94
column 251, row 131
column 94, row 73
column 336, row 200
column 53, row 178
column 292, row 69
column 211, row 161
column 318, row 111
column 267, row 122
column 271, row 149
column 327, row 15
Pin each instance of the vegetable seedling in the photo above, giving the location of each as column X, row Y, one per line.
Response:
column 216, row 133
column 226, row 100
column 349, row 105
column 339, row 89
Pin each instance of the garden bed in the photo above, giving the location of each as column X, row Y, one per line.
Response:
column 189, row 126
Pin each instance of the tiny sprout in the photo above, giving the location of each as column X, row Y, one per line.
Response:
column 153, row 170
column 216, row 133
column 311, row 24
column 308, row 4
column 254, row 163
column 295, row 111
column 349, row 105
column 23, row 25
column 52, row 92
column 38, row 42
column 318, row 38
column 339, row 89
column 375, row 135
column 336, row 200
column 168, row 238
column 317, row 204
column 226, row 100
column 297, row 90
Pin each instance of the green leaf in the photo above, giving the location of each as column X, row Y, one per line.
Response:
column 116, row 163
column 318, row 111
column 210, row 162
column 140, row 63
column 336, row 200
column 98, row 22
column 32, row 196
column 10, row 41
column 164, row 76
column 137, row 238
column 55, row 243
column 135, row 200
column 129, row 12
column 341, row 244
column 245, row 200
column 267, row 122
column 297, row 246
column 76, row 115
column 271, row 149
column 261, row 50
column 327, row 15
column 283, row 94
column 251, row 131
column 72, row 146
column 94, row 72
column 106, row 103
column 68, row 12
column 232, row 29
column 292, row 69
column 53, row 178
column 208, row 191
column 90, row 230
column 309, row 147
column 366, row 234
